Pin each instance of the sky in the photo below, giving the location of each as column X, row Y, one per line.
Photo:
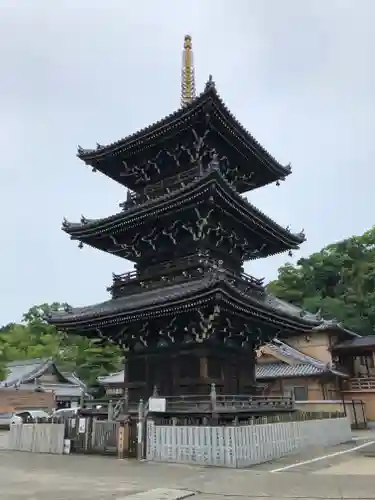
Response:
column 299, row 75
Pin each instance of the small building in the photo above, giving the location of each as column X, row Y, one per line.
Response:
column 284, row 369
column 357, row 357
column 42, row 375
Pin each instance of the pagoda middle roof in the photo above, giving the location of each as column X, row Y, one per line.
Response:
column 248, row 214
column 208, row 102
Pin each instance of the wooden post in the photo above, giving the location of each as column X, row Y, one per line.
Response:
column 126, row 401
column 110, row 411
column 213, row 405
column 140, row 429
column 121, row 441
column 82, row 399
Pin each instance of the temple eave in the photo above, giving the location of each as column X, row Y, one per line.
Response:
column 207, row 100
column 180, row 298
column 218, row 190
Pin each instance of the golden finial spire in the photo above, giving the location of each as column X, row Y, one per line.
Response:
column 187, row 73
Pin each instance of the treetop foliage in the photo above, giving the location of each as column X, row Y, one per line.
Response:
column 338, row 281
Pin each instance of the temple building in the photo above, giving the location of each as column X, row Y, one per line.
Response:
column 188, row 316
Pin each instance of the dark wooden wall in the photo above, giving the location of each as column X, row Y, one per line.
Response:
column 190, row 371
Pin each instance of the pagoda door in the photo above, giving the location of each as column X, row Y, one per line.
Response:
column 165, row 377
column 231, row 379
column 160, row 375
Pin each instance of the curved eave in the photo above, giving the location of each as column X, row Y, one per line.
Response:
column 212, row 184
column 278, row 317
column 200, row 293
column 115, row 310
column 208, row 101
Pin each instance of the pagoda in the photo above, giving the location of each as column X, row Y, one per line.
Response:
column 187, row 316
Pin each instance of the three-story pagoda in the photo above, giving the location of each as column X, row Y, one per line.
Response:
column 187, row 315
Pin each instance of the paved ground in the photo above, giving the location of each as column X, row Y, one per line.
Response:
column 25, row 476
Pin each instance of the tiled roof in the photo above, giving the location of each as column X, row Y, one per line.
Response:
column 22, row 373
column 300, row 364
column 172, row 294
column 279, row 370
column 113, row 378
column 254, row 217
column 74, row 380
column 133, row 302
column 60, row 390
column 359, row 342
column 209, row 95
column 286, row 350
column 19, row 372
column 111, row 310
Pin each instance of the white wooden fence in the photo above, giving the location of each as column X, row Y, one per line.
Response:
column 241, row 446
column 37, row 438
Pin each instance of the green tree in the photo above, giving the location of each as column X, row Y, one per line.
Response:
column 35, row 338
column 338, row 281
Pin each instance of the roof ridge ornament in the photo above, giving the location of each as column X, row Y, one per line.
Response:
column 187, row 73
column 210, row 84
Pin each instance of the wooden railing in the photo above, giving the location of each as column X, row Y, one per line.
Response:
column 203, row 404
column 161, row 187
column 228, row 404
column 134, row 276
column 362, row 383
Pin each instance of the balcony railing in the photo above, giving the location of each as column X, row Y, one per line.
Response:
column 362, row 384
column 176, row 273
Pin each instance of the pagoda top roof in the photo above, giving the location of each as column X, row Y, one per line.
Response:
column 213, row 108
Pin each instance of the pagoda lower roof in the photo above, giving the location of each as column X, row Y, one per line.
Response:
column 208, row 103
column 183, row 297
column 212, row 184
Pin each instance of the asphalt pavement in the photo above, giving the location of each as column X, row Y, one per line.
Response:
column 341, row 472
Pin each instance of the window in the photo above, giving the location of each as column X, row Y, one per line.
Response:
column 300, row 393
column 366, row 361
column 114, row 391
